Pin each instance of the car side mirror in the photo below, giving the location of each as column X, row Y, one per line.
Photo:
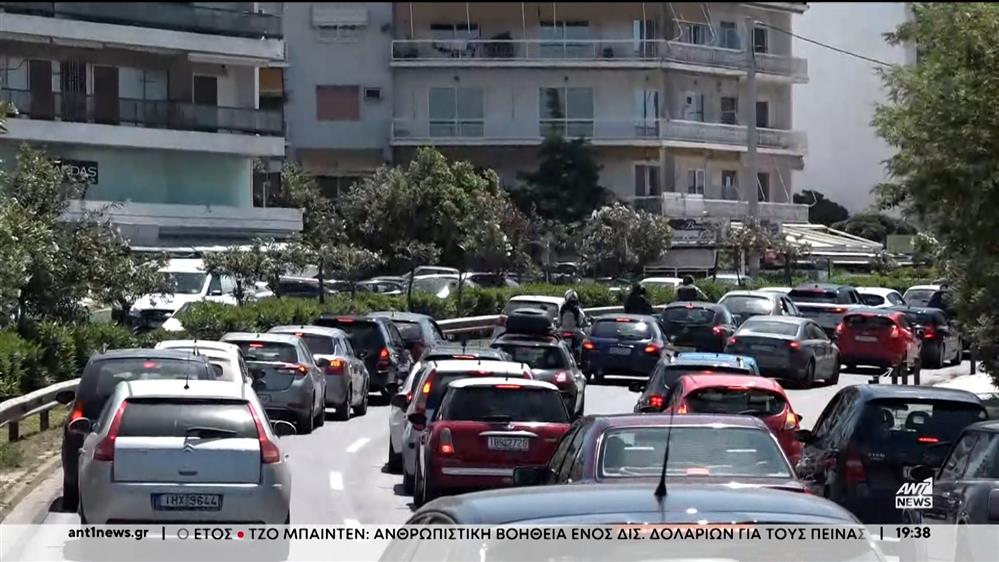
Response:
column 921, row 472
column 282, row 428
column 637, row 387
column 362, row 354
column 400, row 400
column 529, row 475
column 65, row 396
column 81, row 426
column 804, row 436
column 322, row 362
column 418, row 419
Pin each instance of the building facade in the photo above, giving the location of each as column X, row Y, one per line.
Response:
column 659, row 89
column 157, row 106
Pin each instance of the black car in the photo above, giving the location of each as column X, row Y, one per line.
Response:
column 697, row 326
column 492, row 280
column 102, row 372
column 378, row 342
column 868, row 439
column 942, row 342
column 419, row 331
column 624, row 345
column 790, row 348
column 550, row 361
column 300, row 288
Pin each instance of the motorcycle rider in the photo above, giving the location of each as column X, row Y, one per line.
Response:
column 573, row 319
column 689, row 292
column 637, row 301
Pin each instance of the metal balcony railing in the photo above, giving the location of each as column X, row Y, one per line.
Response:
column 81, row 108
column 159, row 15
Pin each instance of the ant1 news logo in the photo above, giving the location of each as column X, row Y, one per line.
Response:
column 915, row 495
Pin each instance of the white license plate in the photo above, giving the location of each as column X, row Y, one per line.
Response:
column 871, row 339
column 620, row 351
column 509, row 443
column 187, row 502
column 761, row 347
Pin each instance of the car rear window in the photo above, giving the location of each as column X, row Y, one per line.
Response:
column 319, row 345
column 868, row 322
column 110, row 372
column 410, row 331
column 924, row 319
column 689, row 315
column 919, row 297
column 208, row 419
column 747, row 305
column 621, row 329
column 735, row 400
column 694, row 451
column 363, row 335
column 280, row 352
column 538, row 357
column 496, row 403
column 770, row 327
column 667, row 376
column 814, row 295
column 900, row 424
column 271, row 377
column 551, row 309
column 872, row 300
column 476, row 356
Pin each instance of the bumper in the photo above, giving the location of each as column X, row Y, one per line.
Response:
column 472, row 477
column 336, row 389
column 380, row 380
column 606, row 364
column 868, row 359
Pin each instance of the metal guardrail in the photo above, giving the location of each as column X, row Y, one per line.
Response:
column 40, row 402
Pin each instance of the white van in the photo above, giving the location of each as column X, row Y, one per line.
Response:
column 190, row 284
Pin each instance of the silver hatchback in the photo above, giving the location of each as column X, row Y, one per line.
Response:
column 183, row 451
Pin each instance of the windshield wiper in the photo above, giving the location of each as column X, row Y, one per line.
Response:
column 207, row 432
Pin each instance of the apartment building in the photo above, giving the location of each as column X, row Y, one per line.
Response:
column 156, row 105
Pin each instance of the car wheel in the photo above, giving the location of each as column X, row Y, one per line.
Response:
column 417, row 486
column 834, row 378
column 342, row 412
column 809, row 380
column 394, row 463
column 362, row 408
column 429, row 491
column 958, row 356
column 900, row 373
column 916, row 371
column 320, row 419
column 70, row 495
column 305, row 424
column 408, row 483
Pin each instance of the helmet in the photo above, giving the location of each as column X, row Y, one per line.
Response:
column 571, row 296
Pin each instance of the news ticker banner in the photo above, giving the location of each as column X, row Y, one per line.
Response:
column 441, row 543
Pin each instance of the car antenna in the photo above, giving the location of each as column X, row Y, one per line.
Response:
column 187, row 380
column 660, row 492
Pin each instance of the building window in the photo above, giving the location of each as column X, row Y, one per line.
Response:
column 693, row 33
column 566, row 39
column 729, row 110
column 271, row 88
column 695, row 181
column 763, row 114
column 729, row 35
column 693, row 106
column 338, row 103
column 761, row 43
column 763, row 181
column 339, row 33
column 647, row 180
column 336, row 186
column 454, row 39
column 267, row 189
column 456, row 112
column 647, row 113
column 730, row 185
column 566, row 111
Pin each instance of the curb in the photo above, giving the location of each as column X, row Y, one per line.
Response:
column 31, row 504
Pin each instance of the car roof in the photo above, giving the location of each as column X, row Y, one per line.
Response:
column 184, row 265
column 662, row 420
column 991, row 426
column 822, row 286
column 261, row 336
column 404, row 316
column 882, row 291
column 775, row 289
column 308, row 329
column 784, row 319
column 871, row 311
column 539, row 503
column 926, row 288
column 466, row 365
column 770, row 295
column 526, row 340
column 715, row 358
column 661, row 280
column 494, row 381
column 456, row 349
column 175, row 388
column 200, row 345
column 696, row 304
column 637, row 317
column 710, row 381
column 917, row 309
column 876, row 391
column 146, row 353
column 538, row 298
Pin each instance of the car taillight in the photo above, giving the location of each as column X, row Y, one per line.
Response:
column 929, row 332
column 790, row 421
column 426, row 388
column 77, row 412
column 269, row 451
column 301, row 370
column 682, row 408
column 446, row 445
column 794, row 345
column 656, row 401
column 854, row 468
column 105, row 449
column 839, row 310
column 652, row 349
column 717, row 330
column 561, row 377
column 383, row 358
column 588, row 345
column 732, row 340
column 839, row 329
column 929, row 440
column 336, row 367
column 894, row 334
column 501, row 320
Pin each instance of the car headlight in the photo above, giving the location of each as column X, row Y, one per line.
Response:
column 134, row 312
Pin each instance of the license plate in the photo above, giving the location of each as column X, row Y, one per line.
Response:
column 620, row 351
column 685, row 349
column 264, row 398
column 187, row 502
column 871, row 339
column 761, row 347
column 509, row 443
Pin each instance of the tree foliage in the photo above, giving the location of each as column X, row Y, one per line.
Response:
column 262, row 261
column 566, row 186
column 874, row 226
column 821, row 210
column 943, row 122
column 618, row 239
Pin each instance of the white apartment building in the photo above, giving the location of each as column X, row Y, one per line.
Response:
column 659, row 89
column 156, row 105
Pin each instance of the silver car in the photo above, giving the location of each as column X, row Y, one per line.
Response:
column 347, row 377
column 285, row 375
column 175, row 450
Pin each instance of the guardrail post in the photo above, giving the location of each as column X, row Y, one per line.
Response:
column 974, row 360
column 13, row 432
column 43, row 420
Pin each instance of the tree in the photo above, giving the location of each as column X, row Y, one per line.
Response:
column 942, row 120
column 789, row 252
column 126, row 276
column 406, row 256
column 751, row 237
column 262, row 261
column 618, row 239
column 352, row 263
column 821, row 210
column 566, row 186
column 874, row 226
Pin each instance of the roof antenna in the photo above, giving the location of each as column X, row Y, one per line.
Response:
column 187, row 379
column 660, row 492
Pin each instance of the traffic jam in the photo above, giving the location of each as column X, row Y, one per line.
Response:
column 497, row 431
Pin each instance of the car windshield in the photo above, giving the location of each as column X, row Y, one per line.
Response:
column 694, row 451
column 984, row 461
column 186, row 283
column 688, row 315
column 363, row 335
column 622, row 329
column 434, row 285
column 269, row 351
column 551, row 309
column 923, row 318
column 919, row 297
column 903, row 425
column 504, row 402
column 410, row 331
column 768, row 327
column 814, row 295
column 747, row 305
column 735, row 400
column 110, row 372
column 205, row 419
column 537, row 357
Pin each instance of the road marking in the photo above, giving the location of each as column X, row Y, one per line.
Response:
column 356, row 445
column 352, row 522
column 336, row 480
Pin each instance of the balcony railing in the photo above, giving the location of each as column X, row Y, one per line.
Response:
column 483, row 131
column 681, row 205
column 159, row 15
column 468, row 51
column 80, row 108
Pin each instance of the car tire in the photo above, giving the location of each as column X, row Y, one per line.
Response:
column 362, row 408
column 582, row 407
column 70, row 495
column 834, row 378
column 917, row 370
column 408, row 484
column 305, row 424
column 342, row 411
column 429, row 492
column 417, row 486
column 320, row 419
column 394, row 464
column 937, row 360
column 958, row 357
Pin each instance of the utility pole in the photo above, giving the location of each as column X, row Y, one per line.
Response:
column 751, row 189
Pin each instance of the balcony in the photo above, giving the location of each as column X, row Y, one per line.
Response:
column 683, row 206
column 158, row 15
column 639, row 132
column 609, row 53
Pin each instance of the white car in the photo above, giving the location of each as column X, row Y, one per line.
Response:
column 227, row 356
column 661, row 282
column 191, row 451
column 880, row 297
column 190, row 284
column 731, row 279
column 779, row 290
column 550, row 305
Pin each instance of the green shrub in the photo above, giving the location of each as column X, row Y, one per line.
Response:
column 210, row 320
column 92, row 338
column 57, row 351
column 153, row 337
column 14, row 360
column 900, row 281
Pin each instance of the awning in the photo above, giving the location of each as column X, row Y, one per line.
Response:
column 335, row 15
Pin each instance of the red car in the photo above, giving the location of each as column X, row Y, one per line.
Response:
column 881, row 338
column 739, row 394
column 484, row 429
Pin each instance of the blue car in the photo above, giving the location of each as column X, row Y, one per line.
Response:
column 622, row 344
column 736, row 361
column 669, row 369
